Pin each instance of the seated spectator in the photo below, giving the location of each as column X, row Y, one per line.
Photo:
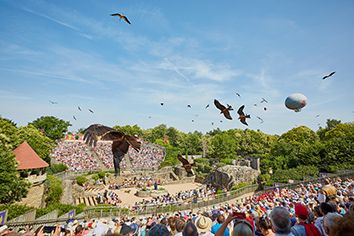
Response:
column 344, row 226
column 180, row 223
column 302, row 228
column 220, row 220
column 204, row 225
column 281, row 221
column 329, row 221
column 159, row 230
column 265, row 226
column 190, row 230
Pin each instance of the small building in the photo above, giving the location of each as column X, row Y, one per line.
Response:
column 30, row 165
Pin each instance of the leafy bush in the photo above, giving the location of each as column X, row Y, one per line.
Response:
column 15, row 210
column 297, row 173
column 227, row 161
column 63, row 208
column 95, row 177
column 80, row 180
column 55, row 190
column 57, row 168
column 239, row 185
column 101, row 174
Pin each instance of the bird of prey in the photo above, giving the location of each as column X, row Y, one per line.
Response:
column 255, row 104
column 259, row 118
column 120, row 144
column 74, row 117
column 242, row 116
column 263, row 100
column 149, row 117
column 238, row 95
column 90, row 110
column 317, row 116
column 329, row 75
column 212, row 123
column 220, row 121
column 161, row 103
column 223, row 109
column 186, row 165
column 192, row 120
column 79, row 108
column 206, row 106
column 189, row 106
column 121, row 17
column 52, row 102
column 264, row 108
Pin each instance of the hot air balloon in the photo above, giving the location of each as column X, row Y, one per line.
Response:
column 296, row 101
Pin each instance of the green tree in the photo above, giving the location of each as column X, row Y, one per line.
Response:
column 130, row 129
column 41, row 144
column 12, row 187
column 51, row 126
column 8, row 134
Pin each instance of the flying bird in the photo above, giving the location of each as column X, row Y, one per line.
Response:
column 90, row 110
column 255, row 104
column 189, row 106
column 206, row 106
column 186, row 165
column 79, row 108
column 161, row 103
column 149, row 117
column 317, row 116
column 192, row 120
column 223, row 109
column 212, row 123
column 259, row 118
column 329, row 75
column 74, row 117
column 263, row 100
column 242, row 116
column 52, row 102
column 120, row 144
column 220, row 121
column 238, row 95
column 264, row 108
column 121, row 17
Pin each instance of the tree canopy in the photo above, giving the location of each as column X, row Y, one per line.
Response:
column 51, row 126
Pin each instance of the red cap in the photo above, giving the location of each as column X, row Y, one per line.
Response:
column 301, row 211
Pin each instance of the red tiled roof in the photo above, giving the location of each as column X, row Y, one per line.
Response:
column 27, row 158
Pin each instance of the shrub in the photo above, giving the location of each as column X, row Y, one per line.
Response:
column 15, row 210
column 80, row 180
column 298, row 173
column 239, row 185
column 63, row 208
column 95, row 177
column 101, row 174
column 55, row 190
column 57, row 168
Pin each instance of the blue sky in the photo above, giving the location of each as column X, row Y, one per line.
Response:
column 179, row 53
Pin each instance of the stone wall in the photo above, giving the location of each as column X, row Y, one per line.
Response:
column 227, row 176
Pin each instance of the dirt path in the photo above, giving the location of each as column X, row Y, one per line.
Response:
column 67, row 197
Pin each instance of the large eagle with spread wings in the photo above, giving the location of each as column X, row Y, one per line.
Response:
column 186, row 165
column 120, row 145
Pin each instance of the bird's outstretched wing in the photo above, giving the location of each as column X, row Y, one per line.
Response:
column 183, row 160
column 227, row 114
column 240, row 110
column 206, row 106
column 219, row 105
column 95, row 131
column 332, row 73
column 243, row 120
column 134, row 142
column 126, row 20
column 116, row 14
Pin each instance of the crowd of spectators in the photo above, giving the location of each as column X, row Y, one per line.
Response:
column 313, row 209
column 136, row 182
column 108, row 197
column 78, row 157
column 75, row 155
column 149, row 157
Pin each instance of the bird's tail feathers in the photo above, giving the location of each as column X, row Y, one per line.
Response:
column 248, row 116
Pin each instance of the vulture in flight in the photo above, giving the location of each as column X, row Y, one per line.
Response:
column 242, row 116
column 223, row 109
column 120, row 145
column 186, row 165
column 329, row 75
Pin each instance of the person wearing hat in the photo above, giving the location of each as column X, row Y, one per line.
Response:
column 302, row 228
column 180, row 223
column 204, row 225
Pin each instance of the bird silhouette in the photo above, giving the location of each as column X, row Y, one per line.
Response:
column 74, row 117
column 212, row 123
column 192, row 120
column 242, row 116
column 161, row 103
column 223, row 109
column 186, row 165
column 149, row 117
column 189, row 106
column 206, row 106
column 121, row 16
column 52, row 102
column 90, row 110
column 264, row 108
column 79, row 108
column 255, row 104
column 120, row 144
column 263, row 100
column 220, row 121
column 259, row 118
column 317, row 116
column 238, row 95
column 329, row 75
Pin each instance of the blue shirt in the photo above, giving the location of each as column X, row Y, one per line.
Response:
column 217, row 226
